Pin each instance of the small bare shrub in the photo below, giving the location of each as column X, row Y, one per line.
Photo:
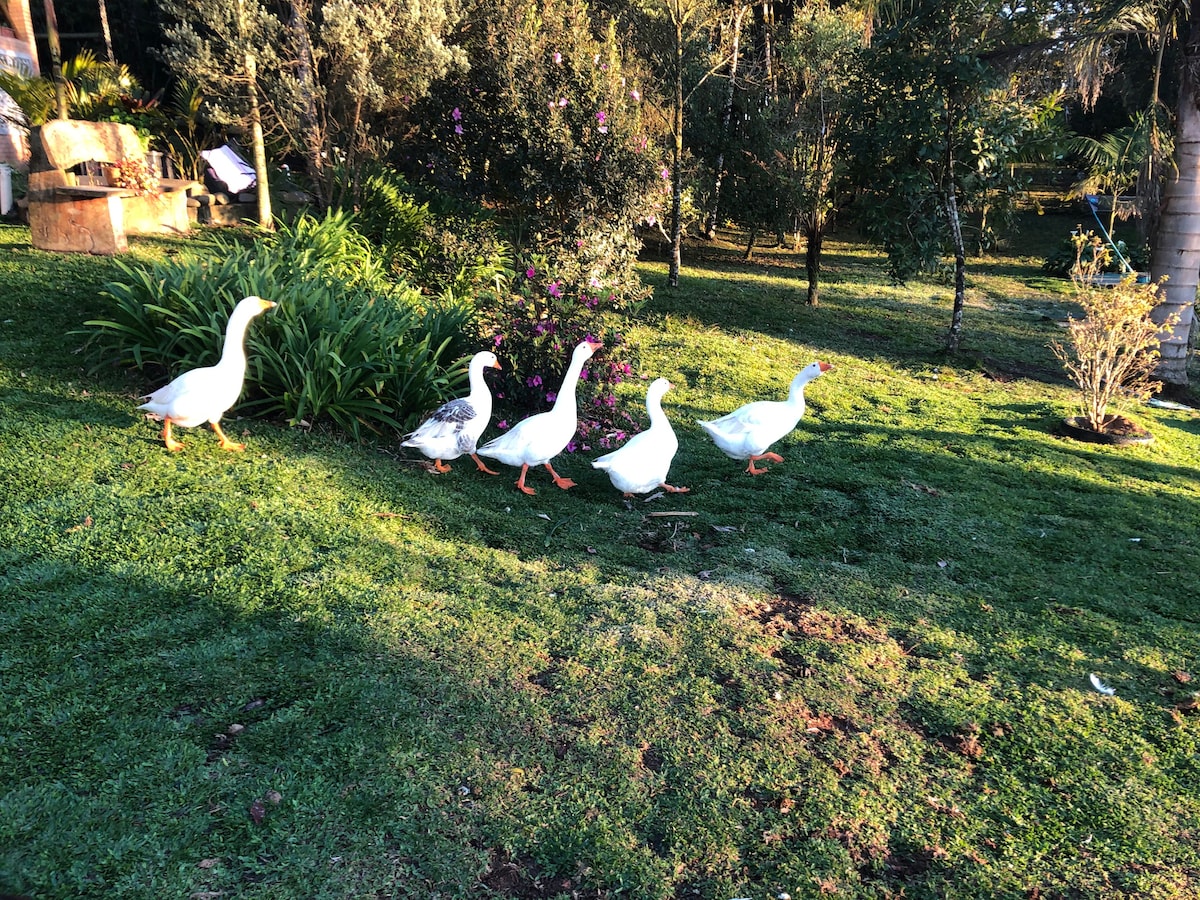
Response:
column 1114, row 347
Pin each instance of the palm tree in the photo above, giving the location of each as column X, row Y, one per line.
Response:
column 1114, row 162
column 1176, row 249
column 87, row 83
column 1175, row 242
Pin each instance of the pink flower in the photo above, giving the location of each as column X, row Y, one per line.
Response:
column 571, row 446
column 551, row 396
column 502, row 424
column 583, row 376
column 665, row 173
column 557, row 58
column 458, row 129
column 497, row 339
column 533, row 381
column 456, row 115
column 554, row 290
column 601, row 116
column 530, row 272
column 635, row 95
column 562, row 101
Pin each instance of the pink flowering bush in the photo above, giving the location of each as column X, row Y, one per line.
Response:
column 548, row 130
column 535, row 326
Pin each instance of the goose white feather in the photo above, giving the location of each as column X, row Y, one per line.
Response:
column 206, row 394
column 455, row 427
column 749, row 430
column 536, row 440
column 641, row 464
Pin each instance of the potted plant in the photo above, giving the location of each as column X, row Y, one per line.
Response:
column 1113, row 348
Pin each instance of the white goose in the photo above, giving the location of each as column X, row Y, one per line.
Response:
column 536, row 440
column 748, row 431
column 455, row 427
column 206, row 394
column 641, row 463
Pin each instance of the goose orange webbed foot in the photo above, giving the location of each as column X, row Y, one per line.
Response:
column 561, row 482
column 670, row 488
column 521, row 485
column 226, row 443
column 173, row 445
column 441, row 467
column 482, row 467
column 754, row 470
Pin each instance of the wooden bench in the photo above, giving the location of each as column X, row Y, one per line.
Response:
column 67, row 213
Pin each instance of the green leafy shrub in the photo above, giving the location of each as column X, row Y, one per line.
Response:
column 548, row 128
column 533, row 318
column 345, row 343
column 455, row 250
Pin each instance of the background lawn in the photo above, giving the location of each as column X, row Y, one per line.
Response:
column 316, row 670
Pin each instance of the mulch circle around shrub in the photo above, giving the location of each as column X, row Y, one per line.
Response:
column 1118, row 431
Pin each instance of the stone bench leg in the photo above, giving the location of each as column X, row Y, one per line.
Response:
column 91, row 225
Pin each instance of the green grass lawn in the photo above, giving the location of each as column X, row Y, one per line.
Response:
column 314, row 670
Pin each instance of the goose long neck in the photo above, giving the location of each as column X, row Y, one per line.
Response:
column 655, row 411
column 481, row 397
column 566, row 394
column 233, row 354
column 475, row 379
column 796, row 392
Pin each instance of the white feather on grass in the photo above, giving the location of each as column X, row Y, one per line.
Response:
column 1100, row 685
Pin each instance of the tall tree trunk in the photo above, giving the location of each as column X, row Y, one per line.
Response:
column 814, row 237
column 106, row 31
column 960, row 271
column 768, row 14
column 1176, row 253
column 258, row 145
column 710, row 226
column 60, row 87
column 677, row 164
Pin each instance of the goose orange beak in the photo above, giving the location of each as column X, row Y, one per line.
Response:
column 825, row 367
